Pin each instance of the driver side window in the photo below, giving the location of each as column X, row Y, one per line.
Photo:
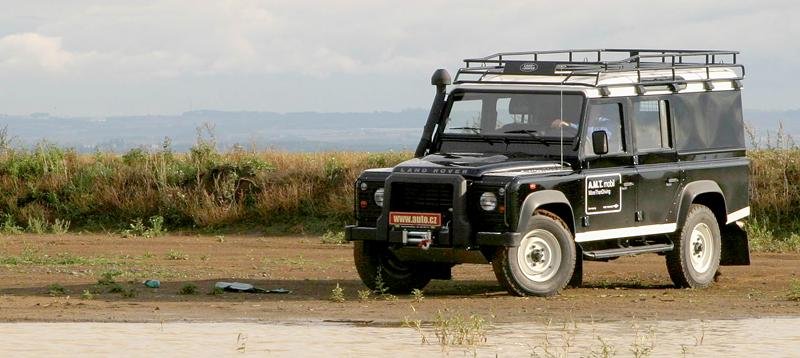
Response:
column 608, row 118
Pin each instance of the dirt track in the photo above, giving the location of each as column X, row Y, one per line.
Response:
column 636, row 287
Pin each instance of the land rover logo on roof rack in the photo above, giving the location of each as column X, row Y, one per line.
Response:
column 529, row 67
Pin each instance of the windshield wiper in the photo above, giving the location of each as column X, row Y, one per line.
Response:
column 477, row 131
column 530, row 133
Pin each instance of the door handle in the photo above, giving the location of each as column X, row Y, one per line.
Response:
column 671, row 181
column 627, row 184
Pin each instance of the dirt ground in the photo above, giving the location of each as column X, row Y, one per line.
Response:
column 628, row 288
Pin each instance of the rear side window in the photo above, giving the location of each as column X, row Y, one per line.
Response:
column 651, row 125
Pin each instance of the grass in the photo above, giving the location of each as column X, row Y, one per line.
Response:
column 793, row 293
column 177, row 255
column 31, row 256
column 50, row 189
column 188, row 289
column 333, row 237
column 452, row 329
column 144, row 193
column 56, row 290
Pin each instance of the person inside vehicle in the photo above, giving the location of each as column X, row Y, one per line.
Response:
column 602, row 117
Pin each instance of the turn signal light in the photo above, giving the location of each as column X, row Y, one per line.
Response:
column 533, row 186
column 363, row 204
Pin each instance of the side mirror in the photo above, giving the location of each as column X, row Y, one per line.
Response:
column 600, row 142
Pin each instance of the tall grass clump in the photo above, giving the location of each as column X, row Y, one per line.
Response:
column 774, row 223
column 51, row 189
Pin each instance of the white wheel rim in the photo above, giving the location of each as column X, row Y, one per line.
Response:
column 539, row 255
column 701, row 248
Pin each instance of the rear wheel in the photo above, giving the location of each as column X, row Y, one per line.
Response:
column 695, row 259
column 543, row 263
column 380, row 270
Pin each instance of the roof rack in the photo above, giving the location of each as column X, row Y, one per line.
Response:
column 649, row 65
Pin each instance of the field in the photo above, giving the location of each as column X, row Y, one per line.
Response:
column 99, row 278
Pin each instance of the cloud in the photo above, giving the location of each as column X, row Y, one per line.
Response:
column 33, row 51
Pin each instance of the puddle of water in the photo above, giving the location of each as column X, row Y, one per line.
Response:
column 773, row 337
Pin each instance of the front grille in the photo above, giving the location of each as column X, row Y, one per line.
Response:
column 423, row 197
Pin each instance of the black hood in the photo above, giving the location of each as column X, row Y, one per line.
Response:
column 476, row 165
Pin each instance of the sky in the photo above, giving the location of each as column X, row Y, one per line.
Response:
column 110, row 57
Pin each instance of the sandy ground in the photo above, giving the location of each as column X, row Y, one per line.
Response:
column 628, row 288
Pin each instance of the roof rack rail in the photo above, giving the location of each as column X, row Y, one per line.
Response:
column 649, row 66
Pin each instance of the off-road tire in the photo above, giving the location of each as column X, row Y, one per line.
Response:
column 700, row 230
column 397, row 276
column 546, row 230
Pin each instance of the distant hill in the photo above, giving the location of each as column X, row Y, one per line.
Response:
column 303, row 131
column 306, row 131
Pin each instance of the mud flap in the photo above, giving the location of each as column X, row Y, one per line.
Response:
column 735, row 248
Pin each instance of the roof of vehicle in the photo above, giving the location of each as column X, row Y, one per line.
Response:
column 606, row 72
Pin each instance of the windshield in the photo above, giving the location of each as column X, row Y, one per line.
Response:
column 537, row 115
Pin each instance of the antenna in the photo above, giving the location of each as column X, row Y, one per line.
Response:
column 561, row 127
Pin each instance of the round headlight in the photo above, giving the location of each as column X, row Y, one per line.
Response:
column 379, row 197
column 488, row 201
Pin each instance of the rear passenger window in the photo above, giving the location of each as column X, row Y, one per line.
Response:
column 651, row 125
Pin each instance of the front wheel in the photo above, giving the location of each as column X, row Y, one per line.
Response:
column 380, row 270
column 695, row 259
column 544, row 261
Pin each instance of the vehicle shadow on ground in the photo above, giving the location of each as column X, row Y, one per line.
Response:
column 301, row 290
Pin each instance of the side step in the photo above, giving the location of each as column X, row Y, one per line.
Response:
column 623, row 251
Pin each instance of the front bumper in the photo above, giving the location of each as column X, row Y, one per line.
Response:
column 361, row 233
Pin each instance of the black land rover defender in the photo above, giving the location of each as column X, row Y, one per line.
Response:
column 537, row 161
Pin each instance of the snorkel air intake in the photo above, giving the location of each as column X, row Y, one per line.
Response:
column 440, row 79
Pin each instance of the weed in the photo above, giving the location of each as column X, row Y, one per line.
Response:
column 605, row 350
column 203, row 257
column 380, row 286
column 643, row 345
column 188, row 289
column 87, row 295
column 337, row 294
column 459, row 330
column 37, row 225
column 115, row 288
column 417, row 294
column 364, row 295
column 108, row 278
column 60, row 226
column 216, row 291
column 241, row 343
column 793, row 294
column 9, row 226
column 176, row 255
column 56, row 290
column 137, row 228
column 333, row 237
column 416, row 325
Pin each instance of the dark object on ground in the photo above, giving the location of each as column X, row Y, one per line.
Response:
column 246, row 287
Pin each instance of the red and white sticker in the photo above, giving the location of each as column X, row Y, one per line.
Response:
column 415, row 219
